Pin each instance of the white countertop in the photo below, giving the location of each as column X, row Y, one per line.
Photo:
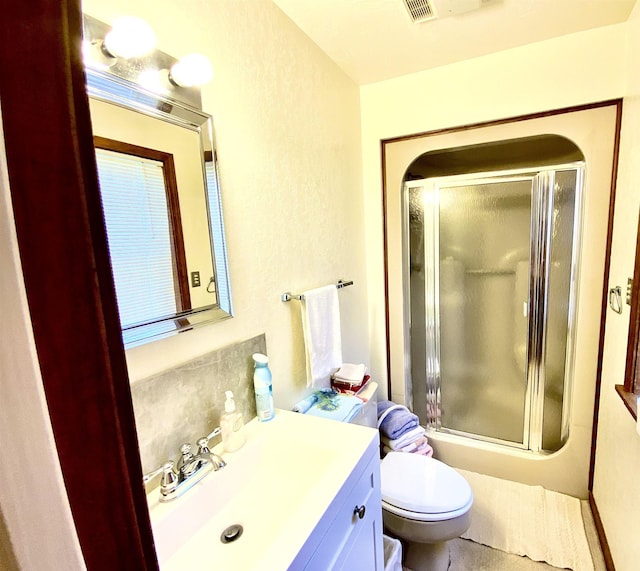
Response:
column 277, row 487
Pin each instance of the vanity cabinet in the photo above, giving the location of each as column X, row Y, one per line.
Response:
column 305, row 490
column 349, row 535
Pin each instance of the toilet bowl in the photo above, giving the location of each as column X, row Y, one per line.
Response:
column 425, row 503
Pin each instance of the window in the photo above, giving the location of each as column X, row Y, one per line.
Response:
column 147, row 249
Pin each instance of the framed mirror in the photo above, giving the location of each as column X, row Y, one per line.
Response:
column 162, row 208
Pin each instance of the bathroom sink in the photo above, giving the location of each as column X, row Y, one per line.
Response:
column 277, row 487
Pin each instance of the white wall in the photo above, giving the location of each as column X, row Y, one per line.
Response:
column 33, row 499
column 287, row 126
column 566, row 71
column 618, row 446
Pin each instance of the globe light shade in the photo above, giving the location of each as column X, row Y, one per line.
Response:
column 130, row 37
column 191, row 71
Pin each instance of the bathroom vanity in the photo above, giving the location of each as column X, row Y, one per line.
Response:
column 304, row 491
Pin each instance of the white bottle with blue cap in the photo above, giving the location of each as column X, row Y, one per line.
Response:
column 263, row 387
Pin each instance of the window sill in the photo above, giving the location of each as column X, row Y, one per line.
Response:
column 630, row 400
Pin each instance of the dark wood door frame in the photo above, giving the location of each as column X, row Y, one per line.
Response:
column 67, row 274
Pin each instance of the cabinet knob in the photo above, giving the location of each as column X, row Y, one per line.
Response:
column 359, row 511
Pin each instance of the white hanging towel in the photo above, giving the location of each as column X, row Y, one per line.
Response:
column 322, row 340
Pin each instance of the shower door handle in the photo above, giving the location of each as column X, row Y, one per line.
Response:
column 615, row 299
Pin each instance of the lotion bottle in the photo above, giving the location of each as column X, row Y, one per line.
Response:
column 231, row 424
column 263, row 387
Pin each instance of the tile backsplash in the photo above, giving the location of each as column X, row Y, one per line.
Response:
column 184, row 403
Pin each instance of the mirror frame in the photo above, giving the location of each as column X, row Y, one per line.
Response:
column 106, row 87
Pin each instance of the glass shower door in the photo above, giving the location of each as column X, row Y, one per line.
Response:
column 492, row 263
column 482, row 231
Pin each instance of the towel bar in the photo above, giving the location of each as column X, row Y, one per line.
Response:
column 288, row 296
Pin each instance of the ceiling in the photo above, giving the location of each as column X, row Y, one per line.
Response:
column 374, row 40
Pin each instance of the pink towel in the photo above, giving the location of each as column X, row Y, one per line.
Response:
column 419, row 446
column 426, row 451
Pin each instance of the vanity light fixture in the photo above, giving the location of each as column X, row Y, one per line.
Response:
column 129, row 37
column 191, row 71
column 155, row 80
column 117, row 51
column 95, row 56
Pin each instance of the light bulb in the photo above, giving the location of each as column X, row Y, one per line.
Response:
column 154, row 80
column 95, row 57
column 130, row 37
column 86, row 52
column 192, row 70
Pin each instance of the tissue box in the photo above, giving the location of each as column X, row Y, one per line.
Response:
column 347, row 387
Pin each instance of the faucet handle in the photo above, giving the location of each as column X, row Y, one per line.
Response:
column 188, row 464
column 187, row 455
column 169, row 480
column 216, row 432
column 146, row 478
column 203, row 445
column 203, row 450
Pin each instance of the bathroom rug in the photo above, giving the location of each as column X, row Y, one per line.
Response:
column 528, row 520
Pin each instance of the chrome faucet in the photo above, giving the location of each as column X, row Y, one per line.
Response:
column 205, row 453
column 191, row 469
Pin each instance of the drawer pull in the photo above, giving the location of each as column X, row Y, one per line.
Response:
column 359, row 511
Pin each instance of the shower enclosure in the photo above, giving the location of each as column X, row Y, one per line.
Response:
column 490, row 271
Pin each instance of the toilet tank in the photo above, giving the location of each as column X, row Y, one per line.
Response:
column 368, row 415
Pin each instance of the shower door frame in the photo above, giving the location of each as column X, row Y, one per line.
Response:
column 542, row 181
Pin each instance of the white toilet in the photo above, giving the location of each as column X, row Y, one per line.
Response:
column 425, row 503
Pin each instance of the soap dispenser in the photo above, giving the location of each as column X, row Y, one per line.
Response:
column 231, row 424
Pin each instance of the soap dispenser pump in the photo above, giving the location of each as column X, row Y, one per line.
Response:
column 231, row 424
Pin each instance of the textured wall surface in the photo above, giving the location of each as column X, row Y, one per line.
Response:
column 287, row 128
column 185, row 403
column 618, row 447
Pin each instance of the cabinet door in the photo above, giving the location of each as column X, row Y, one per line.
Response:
column 364, row 548
column 354, row 543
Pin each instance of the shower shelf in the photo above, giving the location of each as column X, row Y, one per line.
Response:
column 482, row 272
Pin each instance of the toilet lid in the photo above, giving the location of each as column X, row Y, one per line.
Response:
column 417, row 483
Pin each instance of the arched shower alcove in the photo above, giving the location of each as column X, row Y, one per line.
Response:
column 492, row 238
column 508, row 313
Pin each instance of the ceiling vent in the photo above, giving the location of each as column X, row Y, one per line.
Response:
column 425, row 10
column 420, row 10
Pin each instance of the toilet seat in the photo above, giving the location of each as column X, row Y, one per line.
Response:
column 423, row 489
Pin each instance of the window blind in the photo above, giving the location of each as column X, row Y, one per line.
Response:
column 217, row 238
column 137, row 220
